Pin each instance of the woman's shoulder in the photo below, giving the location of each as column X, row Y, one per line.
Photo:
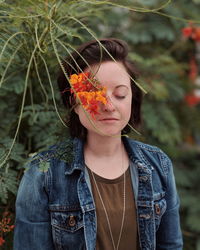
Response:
column 150, row 155
column 134, row 144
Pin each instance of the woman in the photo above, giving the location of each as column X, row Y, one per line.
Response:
column 102, row 190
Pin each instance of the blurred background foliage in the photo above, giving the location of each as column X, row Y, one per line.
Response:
column 36, row 35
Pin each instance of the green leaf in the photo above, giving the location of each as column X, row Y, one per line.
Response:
column 44, row 166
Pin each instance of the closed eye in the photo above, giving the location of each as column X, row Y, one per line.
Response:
column 120, row 96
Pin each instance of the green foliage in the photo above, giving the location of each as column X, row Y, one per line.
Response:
column 8, row 183
column 36, row 35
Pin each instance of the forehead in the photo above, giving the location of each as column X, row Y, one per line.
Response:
column 110, row 74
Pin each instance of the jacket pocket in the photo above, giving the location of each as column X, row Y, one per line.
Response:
column 160, row 206
column 67, row 227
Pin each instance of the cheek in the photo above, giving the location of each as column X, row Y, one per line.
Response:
column 83, row 117
column 127, row 108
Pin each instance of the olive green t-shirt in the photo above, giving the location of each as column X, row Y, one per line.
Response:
column 112, row 195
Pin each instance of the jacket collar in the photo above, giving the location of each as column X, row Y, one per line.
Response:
column 77, row 160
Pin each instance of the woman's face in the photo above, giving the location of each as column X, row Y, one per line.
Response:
column 114, row 115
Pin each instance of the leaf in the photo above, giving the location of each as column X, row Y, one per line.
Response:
column 8, row 183
column 44, row 166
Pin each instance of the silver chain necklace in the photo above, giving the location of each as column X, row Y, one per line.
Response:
column 123, row 214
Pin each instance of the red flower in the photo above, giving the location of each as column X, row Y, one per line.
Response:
column 187, row 31
column 192, row 100
column 192, row 32
column 5, row 224
column 88, row 90
column 196, row 35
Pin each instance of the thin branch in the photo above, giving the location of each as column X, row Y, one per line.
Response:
column 52, row 90
column 40, row 81
column 136, row 9
column 8, row 40
column 37, row 40
column 8, row 64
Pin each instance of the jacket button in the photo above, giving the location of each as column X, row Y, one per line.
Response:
column 157, row 209
column 72, row 221
column 144, row 178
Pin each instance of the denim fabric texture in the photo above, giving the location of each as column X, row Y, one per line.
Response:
column 55, row 209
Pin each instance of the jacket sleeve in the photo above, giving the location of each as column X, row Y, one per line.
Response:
column 169, row 236
column 32, row 223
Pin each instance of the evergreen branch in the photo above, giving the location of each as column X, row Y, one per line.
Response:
column 8, row 64
column 32, row 102
column 56, row 52
column 22, row 17
column 136, row 9
column 58, row 40
column 137, row 132
column 37, row 40
column 146, row 10
column 13, row 73
column 162, row 6
column 8, row 40
column 79, row 55
column 63, row 31
column 21, row 111
column 52, row 90
column 22, row 105
column 40, row 81
column 101, row 45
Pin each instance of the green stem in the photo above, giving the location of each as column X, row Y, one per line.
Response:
column 136, row 9
column 6, row 43
column 22, row 105
column 40, row 82
column 52, row 91
column 8, row 64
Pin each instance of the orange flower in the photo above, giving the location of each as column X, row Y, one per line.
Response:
column 88, row 91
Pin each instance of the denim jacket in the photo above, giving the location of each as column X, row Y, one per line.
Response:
column 55, row 208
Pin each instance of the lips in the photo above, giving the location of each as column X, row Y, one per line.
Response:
column 109, row 119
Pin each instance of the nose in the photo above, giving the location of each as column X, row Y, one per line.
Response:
column 109, row 106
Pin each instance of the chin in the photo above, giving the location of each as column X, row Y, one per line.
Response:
column 105, row 130
column 109, row 132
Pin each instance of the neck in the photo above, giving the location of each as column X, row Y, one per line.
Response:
column 106, row 156
column 103, row 145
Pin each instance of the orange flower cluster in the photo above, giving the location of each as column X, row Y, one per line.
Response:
column 5, row 227
column 88, row 91
column 192, row 32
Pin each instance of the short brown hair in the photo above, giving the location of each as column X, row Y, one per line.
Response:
column 92, row 53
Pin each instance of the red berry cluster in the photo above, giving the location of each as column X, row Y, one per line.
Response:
column 5, row 227
column 192, row 32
